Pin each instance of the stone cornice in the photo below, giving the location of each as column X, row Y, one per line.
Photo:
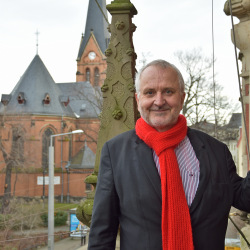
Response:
column 119, row 6
column 240, row 9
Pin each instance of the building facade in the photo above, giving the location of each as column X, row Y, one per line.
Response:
column 38, row 107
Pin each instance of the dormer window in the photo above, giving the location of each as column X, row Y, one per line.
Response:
column 5, row 99
column 65, row 100
column 83, row 108
column 21, row 98
column 46, row 99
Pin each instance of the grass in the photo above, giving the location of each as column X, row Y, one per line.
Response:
column 57, row 206
column 60, row 206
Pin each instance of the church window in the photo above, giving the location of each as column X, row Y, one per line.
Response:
column 45, row 146
column 17, row 146
column 65, row 100
column 88, row 75
column 21, row 98
column 5, row 99
column 96, row 77
column 88, row 187
column 46, row 99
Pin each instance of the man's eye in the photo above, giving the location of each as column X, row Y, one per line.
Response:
column 150, row 92
column 168, row 91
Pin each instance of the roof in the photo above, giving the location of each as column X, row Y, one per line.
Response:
column 32, row 87
column 235, row 121
column 85, row 100
column 96, row 22
column 85, row 158
column 203, row 125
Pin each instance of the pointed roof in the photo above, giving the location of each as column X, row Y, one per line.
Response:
column 85, row 158
column 96, row 22
column 235, row 121
column 85, row 100
column 28, row 95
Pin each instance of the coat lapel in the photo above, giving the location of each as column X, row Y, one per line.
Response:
column 202, row 156
column 145, row 158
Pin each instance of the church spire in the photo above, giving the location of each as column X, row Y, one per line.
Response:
column 96, row 21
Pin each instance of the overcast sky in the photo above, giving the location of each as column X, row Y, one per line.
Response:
column 163, row 27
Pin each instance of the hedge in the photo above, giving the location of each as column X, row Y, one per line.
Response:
column 60, row 218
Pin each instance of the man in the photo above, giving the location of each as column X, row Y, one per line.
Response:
column 168, row 186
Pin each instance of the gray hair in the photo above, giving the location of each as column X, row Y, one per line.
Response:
column 163, row 64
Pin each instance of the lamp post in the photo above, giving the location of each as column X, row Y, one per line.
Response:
column 51, row 190
column 67, row 169
column 44, row 172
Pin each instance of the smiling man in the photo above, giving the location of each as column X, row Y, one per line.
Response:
column 168, row 186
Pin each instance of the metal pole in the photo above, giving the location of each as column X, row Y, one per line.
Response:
column 43, row 187
column 68, row 188
column 51, row 198
column 62, row 158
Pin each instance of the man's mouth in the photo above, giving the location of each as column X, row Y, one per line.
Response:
column 160, row 110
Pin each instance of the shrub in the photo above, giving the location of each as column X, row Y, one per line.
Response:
column 21, row 216
column 60, row 218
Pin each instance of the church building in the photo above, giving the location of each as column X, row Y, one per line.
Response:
column 38, row 107
column 91, row 60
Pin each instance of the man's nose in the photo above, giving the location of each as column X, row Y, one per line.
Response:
column 159, row 99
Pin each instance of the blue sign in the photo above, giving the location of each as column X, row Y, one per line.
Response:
column 74, row 222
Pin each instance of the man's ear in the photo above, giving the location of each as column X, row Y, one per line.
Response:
column 137, row 100
column 182, row 99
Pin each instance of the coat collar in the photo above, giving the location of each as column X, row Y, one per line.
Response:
column 146, row 160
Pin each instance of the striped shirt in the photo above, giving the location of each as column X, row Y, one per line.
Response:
column 189, row 168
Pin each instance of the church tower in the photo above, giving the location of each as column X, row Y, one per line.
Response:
column 91, row 60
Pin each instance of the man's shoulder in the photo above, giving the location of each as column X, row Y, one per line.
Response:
column 128, row 136
column 205, row 138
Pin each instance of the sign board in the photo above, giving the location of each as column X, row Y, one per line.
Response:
column 77, row 228
column 74, row 222
column 46, row 181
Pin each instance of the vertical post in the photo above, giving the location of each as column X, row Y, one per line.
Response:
column 68, row 187
column 51, row 198
column 43, row 186
column 62, row 158
column 119, row 109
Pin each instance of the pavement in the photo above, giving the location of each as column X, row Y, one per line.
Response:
column 67, row 244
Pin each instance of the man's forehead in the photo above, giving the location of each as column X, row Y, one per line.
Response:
column 157, row 73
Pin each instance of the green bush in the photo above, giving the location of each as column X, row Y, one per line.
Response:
column 60, row 218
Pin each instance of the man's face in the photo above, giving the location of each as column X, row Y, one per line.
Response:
column 160, row 100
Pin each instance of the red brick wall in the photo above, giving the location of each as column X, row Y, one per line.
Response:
column 33, row 137
column 26, row 185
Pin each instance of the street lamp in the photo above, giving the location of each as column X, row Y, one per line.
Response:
column 51, row 190
column 44, row 172
column 67, row 169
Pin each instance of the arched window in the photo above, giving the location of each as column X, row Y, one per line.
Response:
column 70, row 147
column 45, row 147
column 88, row 74
column 17, row 146
column 96, row 77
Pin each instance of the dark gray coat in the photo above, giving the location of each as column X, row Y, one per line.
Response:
column 129, row 193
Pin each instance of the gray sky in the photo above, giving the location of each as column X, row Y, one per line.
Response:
column 163, row 27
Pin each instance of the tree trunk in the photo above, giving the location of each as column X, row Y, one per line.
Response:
column 7, row 184
column 7, row 189
column 14, row 188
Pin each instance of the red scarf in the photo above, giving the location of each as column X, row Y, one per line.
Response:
column 176, row 223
